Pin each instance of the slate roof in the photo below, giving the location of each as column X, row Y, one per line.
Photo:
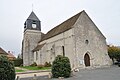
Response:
column 10, row 55
column 2, row 51
column 32, row 16
column 38, row 47
column 66, row 25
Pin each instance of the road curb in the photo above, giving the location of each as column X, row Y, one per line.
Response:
column 27, row 72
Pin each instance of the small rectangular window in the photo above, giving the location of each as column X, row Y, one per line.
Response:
column 36, row 55
column 63, row 50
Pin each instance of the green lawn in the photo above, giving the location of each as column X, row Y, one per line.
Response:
column 18, row 70
column 35, row 68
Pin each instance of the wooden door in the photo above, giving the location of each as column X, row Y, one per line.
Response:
column 87, row 60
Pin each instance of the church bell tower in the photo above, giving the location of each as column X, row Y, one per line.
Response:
column 32, row 34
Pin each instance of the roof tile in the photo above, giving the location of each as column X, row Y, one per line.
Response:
column 66, row 25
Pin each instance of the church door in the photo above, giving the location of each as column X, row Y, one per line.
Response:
column 87, row 60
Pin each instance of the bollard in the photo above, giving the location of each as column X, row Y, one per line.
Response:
column 72, row 73
column 76, row 70
column 49, row 75
column 18, row 78
column 61, row 78
column 35, row 77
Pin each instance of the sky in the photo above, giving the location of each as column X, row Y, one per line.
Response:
column 13, row 13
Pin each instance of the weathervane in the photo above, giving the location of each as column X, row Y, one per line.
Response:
column 32, row 7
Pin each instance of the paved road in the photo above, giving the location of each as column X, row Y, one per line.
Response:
column 37, row 78
column 112, row 73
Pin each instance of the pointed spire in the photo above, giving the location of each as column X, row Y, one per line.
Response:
column 33, row 16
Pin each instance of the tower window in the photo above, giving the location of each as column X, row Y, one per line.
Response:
column 34, row 24
column 34, row 21
column 25, row 24
column 63, row 50
column 86, row 41
column 36, row 55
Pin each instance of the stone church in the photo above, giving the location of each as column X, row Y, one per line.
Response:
column 78, row 38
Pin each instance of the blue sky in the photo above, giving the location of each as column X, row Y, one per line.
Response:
column 13, row 13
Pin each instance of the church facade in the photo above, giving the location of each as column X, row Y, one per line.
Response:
column 78, row 38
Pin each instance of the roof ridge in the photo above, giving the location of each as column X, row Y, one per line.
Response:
column 65, row 21
column 10, row 55
column 66, row 25
column 2, row 51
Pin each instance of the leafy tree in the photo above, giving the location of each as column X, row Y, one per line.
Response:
column 61, row 67
column 114, row 52
column 7, row 70
column 18, row 62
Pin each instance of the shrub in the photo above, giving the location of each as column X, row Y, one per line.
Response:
column 7, row 70
column 40, row 66
column 47, row 64
column 114, row 52
column 34, row 64
column 118, row 65
column 61, row 67
column 18, row 62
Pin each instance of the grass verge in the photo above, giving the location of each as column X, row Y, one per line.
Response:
column 35, row 68
column 18, row 70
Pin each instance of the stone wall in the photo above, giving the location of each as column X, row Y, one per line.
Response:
column 53, row 47
column 88, row 39
column 31, row 38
